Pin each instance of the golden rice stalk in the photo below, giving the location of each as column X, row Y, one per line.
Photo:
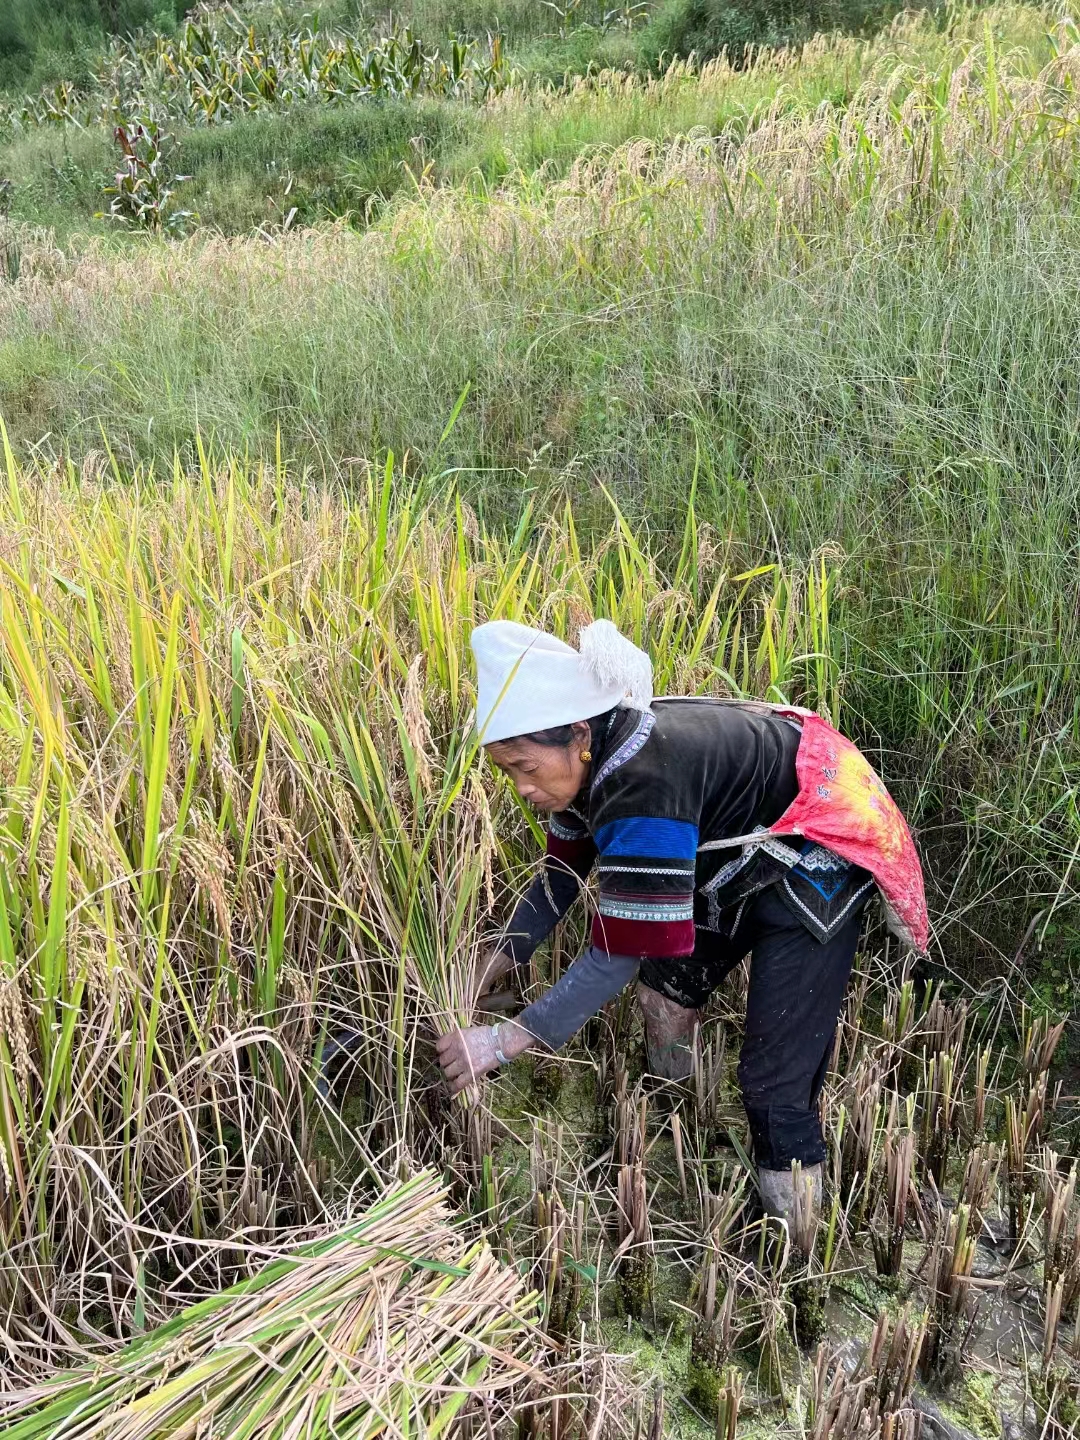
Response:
column 389, row 1323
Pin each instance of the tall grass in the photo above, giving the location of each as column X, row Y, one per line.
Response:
column 42, row 44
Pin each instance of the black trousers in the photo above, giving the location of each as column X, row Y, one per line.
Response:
column 796, row 990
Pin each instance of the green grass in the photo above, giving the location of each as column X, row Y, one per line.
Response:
column 311, row 162
column 319, row 163
column 43, row 43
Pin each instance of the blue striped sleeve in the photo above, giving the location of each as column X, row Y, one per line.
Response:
column 647, row 870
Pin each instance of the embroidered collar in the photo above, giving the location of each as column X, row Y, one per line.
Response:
column 629, row 747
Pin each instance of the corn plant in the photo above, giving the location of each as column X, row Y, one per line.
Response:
column 142, row 189
column 218, row 68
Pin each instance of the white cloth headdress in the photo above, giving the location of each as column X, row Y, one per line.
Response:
column 527, row 680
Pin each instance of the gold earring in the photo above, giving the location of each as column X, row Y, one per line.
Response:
column 586, row 755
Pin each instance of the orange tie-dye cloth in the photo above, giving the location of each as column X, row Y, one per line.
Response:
column 843, row 805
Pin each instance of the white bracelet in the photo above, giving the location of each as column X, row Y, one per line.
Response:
column 498, row 1052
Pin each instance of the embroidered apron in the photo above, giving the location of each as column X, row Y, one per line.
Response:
column 843, row 805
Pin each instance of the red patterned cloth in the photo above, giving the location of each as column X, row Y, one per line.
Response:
column 843, row 805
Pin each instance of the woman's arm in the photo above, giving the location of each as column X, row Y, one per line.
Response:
column 569, row 858
column 594, row 978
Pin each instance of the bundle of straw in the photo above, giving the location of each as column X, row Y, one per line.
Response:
column 387, row 1325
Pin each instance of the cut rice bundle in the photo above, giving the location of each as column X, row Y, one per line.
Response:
column 386, row 1326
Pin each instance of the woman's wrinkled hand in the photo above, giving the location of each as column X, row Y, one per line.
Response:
column 467, row 1055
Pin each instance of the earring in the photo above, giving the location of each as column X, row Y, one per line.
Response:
column 586, row 755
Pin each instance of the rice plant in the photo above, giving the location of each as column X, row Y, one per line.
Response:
column 1061, row 1234
column 887, row 1229
column 953, row 1311
column 245, row 826
column 875, row 1399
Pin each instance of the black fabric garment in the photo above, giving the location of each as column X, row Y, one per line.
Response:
column 728, row 767
column 660, row 784
column 819, row 887
column 797, row 986
column 554, row 888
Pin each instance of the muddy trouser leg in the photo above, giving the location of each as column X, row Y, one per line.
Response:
column 796, row 989
column 671, row 992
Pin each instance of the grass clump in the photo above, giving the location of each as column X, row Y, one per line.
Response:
column 313, row 163
column 41, row 44
column 736, row 28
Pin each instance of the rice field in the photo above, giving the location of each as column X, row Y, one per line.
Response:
column 252, row 853
column 770, row 363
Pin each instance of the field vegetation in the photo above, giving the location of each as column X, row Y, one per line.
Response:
column 322, row 339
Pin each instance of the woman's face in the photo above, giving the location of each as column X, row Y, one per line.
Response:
column 548, row 777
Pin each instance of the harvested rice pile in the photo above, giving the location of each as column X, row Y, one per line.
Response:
column 387, row 1325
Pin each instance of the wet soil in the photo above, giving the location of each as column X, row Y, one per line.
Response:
column 561, row 1121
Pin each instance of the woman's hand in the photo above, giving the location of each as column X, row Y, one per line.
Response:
column 466, row 1055
column 493, row 965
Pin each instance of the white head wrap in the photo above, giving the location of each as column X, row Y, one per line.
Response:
column 527, row 680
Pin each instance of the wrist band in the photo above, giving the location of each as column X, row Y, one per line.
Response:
column 498, row 1051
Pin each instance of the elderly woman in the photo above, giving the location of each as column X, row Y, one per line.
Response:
column 716, row 829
